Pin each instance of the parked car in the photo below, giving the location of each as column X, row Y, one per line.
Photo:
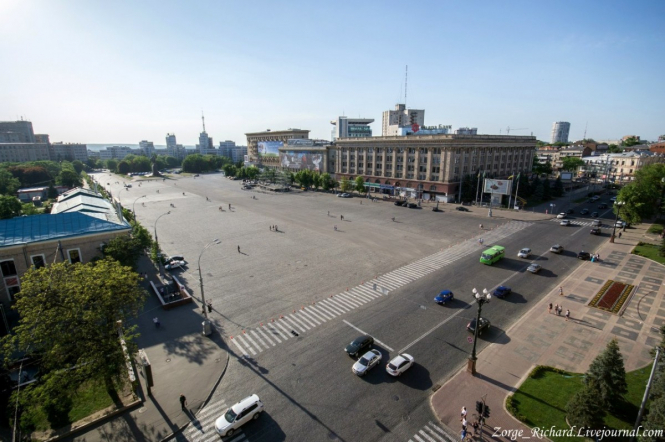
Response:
column 444, row 296
column 602, row 206
column 461, row 209
column 174, row 258
column 595, row 231
column 524, row 253
column 569, row 211
column 484, row 325
column 556, row 248
column 399, row 364
column 584, row 211
column 368, row 361
column 534, row 268
column 238, row 415
column 619, row 223
column 413, row 206
column 564, row 222
column 358, row 345
column 343, row 195
column 502, row 291
column 594, row 214
column 196, row 175
column 562, row 215
column 175, row 264
column 584, row 256
column 400, row 203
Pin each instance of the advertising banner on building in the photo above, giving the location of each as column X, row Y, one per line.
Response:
column 301, row 160
column 269, row 148
column 503, row 187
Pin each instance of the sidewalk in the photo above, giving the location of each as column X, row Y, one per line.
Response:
column 541, row 338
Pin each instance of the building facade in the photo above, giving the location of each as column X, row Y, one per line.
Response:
column 229, row 150
column 431, row 166
column 69, row 151
column 22, row 152
column 401, row 117
column 147, row 148
column 115, row 152
column 560, row 132
column 263, row 147
column 618, row 167
column 17, row 132
column 346, row 127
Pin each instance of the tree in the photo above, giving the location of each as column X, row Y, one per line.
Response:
column 230, row 170
column 571, row 164
column 360, row 185
column 609, row 373
column 541, row 168
column 524, row 190
column 172, row 161
column 112, row 165
column 124, row 167
column 655, row 419
column 326, row 181
column 613, row 148
column 539, row 191
column 69, row 316
column 78, row 166
column 8, row 184
column 547, row 190
column 584, row 410
column 557, row 189
column 345, row 185
column 69, row 178
column 10, row 207
column 630, row 141
column 29, row 209
column 316, row 180
column 125, row 250
column 469, row 185
column 52, row 192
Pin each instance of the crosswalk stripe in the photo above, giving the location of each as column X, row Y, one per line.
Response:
column 389, row 279
column 418, row 438
column 434, row 433
column 321, row 312
column 341, row 301
column 266, row 335
column 426, row 436
column 293, row 326
column 211, row 409
column 359, row 295
column 439, row 429
column 243, row 337
column 240, row 347
column 280, row 327
column 309, row 314
column 358, row 302
column 387, row 283
column 331, row 305
column 297, row 321
column 369, row 292
column 273, row 333
column 258, row 338
column 304, row 319
column 402, row 277
column 325, row 310
column 251, row 341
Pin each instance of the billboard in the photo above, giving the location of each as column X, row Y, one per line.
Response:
column 566, row 176
column 269, row 148
column 503, row 187
column 301, row 160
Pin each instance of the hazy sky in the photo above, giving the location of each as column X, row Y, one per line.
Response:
column 123, row 71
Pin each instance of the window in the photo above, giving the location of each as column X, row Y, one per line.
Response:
column 10, row 277
column 38, row 261
column 74, row 256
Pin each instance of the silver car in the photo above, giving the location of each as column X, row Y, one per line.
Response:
column 368, row 361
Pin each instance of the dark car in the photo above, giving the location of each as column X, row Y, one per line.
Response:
column 595, row 231
column 359, row 345
column 413, row 206
column 569, row 211
column 602, row 206
column 502, row 291
column 594, row 214
column 444, row 296
column 584, row 211
column 584, row 256
column 484, row 325
column 461, row 209
column 400, row 203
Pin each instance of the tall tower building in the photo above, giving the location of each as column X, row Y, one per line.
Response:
column 395, row 120
column 171, row 144
column 205, row 146
column 17, row 131
column 560, row 131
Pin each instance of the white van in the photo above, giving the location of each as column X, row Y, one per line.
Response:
column 238, row 415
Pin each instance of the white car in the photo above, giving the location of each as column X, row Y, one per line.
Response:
column 366, row 362
column 524, row 253
column 174, row 264
column 619, row 223
column 238, row 415
column 595, row 223
column 562, row 215
column 564, row 222
column 399, row 364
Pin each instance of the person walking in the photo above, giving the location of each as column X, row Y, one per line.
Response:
column 229, row 206
column 238, row 249
column 481, row 226
column 328, row 212
column 463, row 413
column 335, row 227
column 156, row 321
column 209, row 305
column 560, row 291
column 393, row 219
column 276, row 228
column 560, row 310
column 549, row 310
column 183, row 402
column 567, row 314
column 556, row 309
column 619, row 234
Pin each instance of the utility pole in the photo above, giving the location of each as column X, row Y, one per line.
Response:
column 646, row 394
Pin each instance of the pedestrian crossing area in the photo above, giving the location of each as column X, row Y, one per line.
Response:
column 274, row 332
column 581, row 222
column 431, row 433
column 202, row 429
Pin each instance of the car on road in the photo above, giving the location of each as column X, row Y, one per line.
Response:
column 175, row 264
column 562, row 215
column 564, row 222
column 399, row 364
column 524, row 253
column 534, row 268
column 556, row 248
column 584, row 211
column 174, row 258
column 569, row 211
column 444, row 296
column 502, row 291
column 196, row 175
column 584, row 256
column 619, row 224
column 595, row 231
column 366, row 362
column 343, row 195
column 358, row 345
column 413, row 206
column 594, row 214
column 613, row 199
column 461, row 209
column 602, row 206
column 484, row 325
column 596, row 223
column 400, row 203
column 238, row 415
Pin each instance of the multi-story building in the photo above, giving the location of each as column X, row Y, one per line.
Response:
column 466, row 131
column 205, row 146
column 147, row 148
column 346, row 127
column 17, row 132
column 560, row 132
column 22, row 152
column 401, row 117
column 69, row 151
column 618, row 167
column 263, row 147
column 229, row 150
column 170, row 144
column 115, row 152
column 430, row 166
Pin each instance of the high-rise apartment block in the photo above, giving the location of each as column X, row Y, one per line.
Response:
column 17, row 132
column 560, row 131
column 19, row 143
column 229, row 150
column 346, row 127
column 147, row 148
column 69, row 151
column 394, row 121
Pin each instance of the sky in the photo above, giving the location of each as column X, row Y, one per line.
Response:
column 93, row 71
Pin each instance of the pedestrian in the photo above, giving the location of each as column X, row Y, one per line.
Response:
column 328, row 212
column 229, row 206
column 341, row 217
column 209, row 305
column 238, row 249
column 619, row 234
column 556, row 309
column 567, row 314
column 156, row 321
column 481, row 226
column 463, row 413
column 361, row 202
column 335, row 227
column 183, row 401
column 560, row 310
column 560, row 291
column 481, row 241
column 276, row 228
column 464, row 423
column 393, row 219
column 463, row 434
column 475, row 427
column 549, row 310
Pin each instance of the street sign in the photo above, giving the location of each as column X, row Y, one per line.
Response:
column 470, row 339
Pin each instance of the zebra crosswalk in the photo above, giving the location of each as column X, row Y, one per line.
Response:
column 431, row 432
column 203, row 428
column 581, row 222
column 267, row 335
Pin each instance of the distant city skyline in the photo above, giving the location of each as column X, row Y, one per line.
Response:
column 91, row 72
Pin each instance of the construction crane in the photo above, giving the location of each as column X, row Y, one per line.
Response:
column 508, row 129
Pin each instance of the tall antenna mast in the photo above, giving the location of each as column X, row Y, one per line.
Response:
column 585, row 126
column 203, row 118
column 406, row 78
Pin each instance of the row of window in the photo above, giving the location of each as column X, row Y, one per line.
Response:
column 436, row 150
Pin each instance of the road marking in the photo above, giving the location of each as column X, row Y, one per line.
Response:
column 258, row 338
column 310, row 315
column 286, row 333
column 426, row 436
column 349, row 299
column 331, row 307
column 375, row 340
column 266, row 335
column 298, row 321
column 340, row 304
column 319, row 310
column 328, row 311
column 242, row 350
column 248, row 344
column 274, row 334
column 424, row 335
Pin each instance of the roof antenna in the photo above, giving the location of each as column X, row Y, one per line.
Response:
column 204, row 121
column 406, row 77
column 585, row 126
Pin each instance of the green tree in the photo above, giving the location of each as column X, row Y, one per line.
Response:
column 230, row 170
column 609, row 373
column 547, row 190
column 172, row 162
column 630, row 141
column 112, row 165
column 52, row 192
column 316, row 180
column 10, row 207
column 524, row 190
column 345, row 185
column 613, row 148
column 69, row 178
column 78, row 166
column 539, row 191
column 541, row 168
column 29, row 209
column 326, row 181
column 469, row 185
column 124, row 167
column 252, row 172
column 584, row 409
column 8, row 184
column 124, row 249
column 557, row 189
column 571, row 164
column 359, row 184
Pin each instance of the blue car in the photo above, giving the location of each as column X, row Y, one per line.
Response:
column 444, row 297
column 502, row 291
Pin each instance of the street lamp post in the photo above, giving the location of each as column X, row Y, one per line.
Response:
column 207, row 325
column 481, row 299
column 134, row 206
column 159, row 258
column 616, row 219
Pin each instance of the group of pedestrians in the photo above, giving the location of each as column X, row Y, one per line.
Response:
column 274, row 228
column 557, row 310
column 475, row 425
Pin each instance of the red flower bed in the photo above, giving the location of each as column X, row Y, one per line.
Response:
column 612, row 297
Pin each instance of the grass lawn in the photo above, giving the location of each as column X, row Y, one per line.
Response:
column 649, row 251
column 541, row 401
column 657, row 227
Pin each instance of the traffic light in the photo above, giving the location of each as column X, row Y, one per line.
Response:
column 486, row 412
column 479, row 407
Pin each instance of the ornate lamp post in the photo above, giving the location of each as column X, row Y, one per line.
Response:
column 619, row 204
column 481, row 299
column 134, row 206
column 159, row 258
column 207, row 325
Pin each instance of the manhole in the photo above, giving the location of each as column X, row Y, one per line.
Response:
column 168, row 359
column 395, row 398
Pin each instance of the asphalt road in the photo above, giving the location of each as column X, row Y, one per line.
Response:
column 306, row 382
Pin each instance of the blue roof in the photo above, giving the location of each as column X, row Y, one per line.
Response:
column 36, row 228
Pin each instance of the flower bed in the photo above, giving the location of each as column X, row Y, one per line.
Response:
column 612, row 296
